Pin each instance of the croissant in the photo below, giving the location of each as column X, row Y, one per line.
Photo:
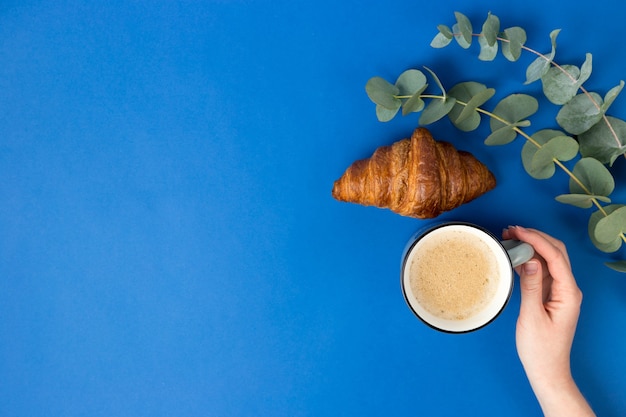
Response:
column 416, row 177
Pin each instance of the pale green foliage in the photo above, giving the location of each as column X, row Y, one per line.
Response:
column 546, row 147
column 590, row 181
column 560, row 85
column 592, row 178
column 601, row 139
column 540, row 66
column 580, row 114
column 594, row 220
column 610, row 228
column 470, row 96
column 510, row 113
column 514, row 38
column 464, row 27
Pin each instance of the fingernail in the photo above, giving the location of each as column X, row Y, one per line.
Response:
column 530, row 268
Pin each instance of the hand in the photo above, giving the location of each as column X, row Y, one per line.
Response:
column 549, row 310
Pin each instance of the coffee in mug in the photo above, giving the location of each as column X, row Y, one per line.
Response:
column 457, row 277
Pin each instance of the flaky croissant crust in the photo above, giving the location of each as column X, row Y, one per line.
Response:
column 416, row 177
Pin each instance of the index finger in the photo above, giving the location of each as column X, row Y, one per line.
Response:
column 550, row 249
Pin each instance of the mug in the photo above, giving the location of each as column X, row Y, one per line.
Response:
column 457, row 277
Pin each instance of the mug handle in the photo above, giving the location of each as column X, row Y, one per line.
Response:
column 519, row 252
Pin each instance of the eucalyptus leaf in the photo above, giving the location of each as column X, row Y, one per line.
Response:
column 487, row 52
column 464, row 26
column 611, row 227
column 595, row 218
column 591, row 178
column 601, row 143
column 410, row 81
column 470, row 95
column 585, row 69
column 460, row 39
column 515, row 38
column 611, row 95
column 383, row 114
column 541, row 64
column 437, row 81
column 490, row 30
column 436, row 109
column 501, row 136
column 538, row 154
column 513, row 109
column 619, row 266
column 537, row 69
column 383, row 93
column 580, row 113
column 415, row 103
column 440, row 41
column 560, row 85
column 581, row 200
column 561, row 148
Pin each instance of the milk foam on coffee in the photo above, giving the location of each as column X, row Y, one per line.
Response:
column 453, row 274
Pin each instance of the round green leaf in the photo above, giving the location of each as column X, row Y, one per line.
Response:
column 599, row 142
column 611, row 227
column 593, row 222
column 415, row 103
column 487, row 52
column 516, row 38
column 580, row 113
column 581, row 200
column 562, row 148
column 464, row 26
column 440, row 40
column 501, row 136
column 559, row 86
column 593, row 178
column 513, row 109
column 410, row 81
column 384, row 114
column 445, row 31
column 436, row 109
column 383, row 93
column 491, row 27
column 533, row 166
column 443, row 38
column 537, row 69
column 470, row 95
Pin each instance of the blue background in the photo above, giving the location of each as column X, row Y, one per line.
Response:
column 168, row 242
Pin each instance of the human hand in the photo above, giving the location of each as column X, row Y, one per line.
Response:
column 549, row 310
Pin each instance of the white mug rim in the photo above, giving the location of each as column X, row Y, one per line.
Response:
column 426, row 231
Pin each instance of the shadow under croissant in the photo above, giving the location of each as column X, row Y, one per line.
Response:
column 417, row 177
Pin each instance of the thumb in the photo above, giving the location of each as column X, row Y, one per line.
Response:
column 531, row 287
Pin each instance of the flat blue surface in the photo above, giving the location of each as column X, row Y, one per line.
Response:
column 168, row 242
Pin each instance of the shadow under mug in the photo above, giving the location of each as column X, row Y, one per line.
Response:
column 507, row 254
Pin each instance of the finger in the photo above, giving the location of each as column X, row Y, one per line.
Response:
column 531, row 288
column 513, row 233
column 549, row 249
column 557, row 243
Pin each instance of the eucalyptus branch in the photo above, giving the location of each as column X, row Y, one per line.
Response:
column 591, row 183
column 572, row 78
column 580, row 114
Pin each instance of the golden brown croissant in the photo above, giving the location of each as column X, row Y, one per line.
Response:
column 417, row 177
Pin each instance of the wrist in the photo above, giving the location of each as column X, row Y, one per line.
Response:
column 560, row 396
